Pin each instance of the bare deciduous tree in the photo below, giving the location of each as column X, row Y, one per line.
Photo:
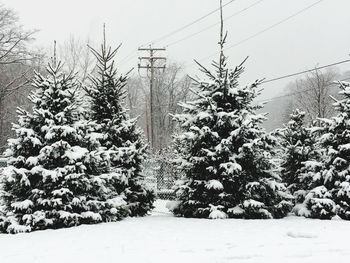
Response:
column 170, row 87
column 77, row 57
column 312, row 93
column 16, row 62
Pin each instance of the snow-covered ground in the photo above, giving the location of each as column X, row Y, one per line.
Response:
column 164, row 238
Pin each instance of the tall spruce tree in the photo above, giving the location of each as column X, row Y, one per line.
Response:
column 297, row 142
column 224, row 153
column 48, row 183
column 119, row 136
column 330, row 176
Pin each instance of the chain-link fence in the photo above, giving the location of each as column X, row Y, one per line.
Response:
column 3, row 162
column 161, row 175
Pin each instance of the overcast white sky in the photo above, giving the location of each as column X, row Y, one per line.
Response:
column 318, row 36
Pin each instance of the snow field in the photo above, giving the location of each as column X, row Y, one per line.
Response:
column 164, row 238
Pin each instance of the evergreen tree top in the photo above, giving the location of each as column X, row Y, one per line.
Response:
column 294, row 129
column 222, row 92
column 343, row 105
column 107, row 90
column 222, row 96
column 297, row 116
column 337, row 129
column 55, row 96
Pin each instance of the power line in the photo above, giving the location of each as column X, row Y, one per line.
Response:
column 290, row 75
column 128, row 57
column 283, row 96
column 213, row 25
column 187, row 25
column 300, row 73
column 306, row 71
column 272, row 98
column 125, row 59
column 266, row 29
column 294, row 93
column 272, row 26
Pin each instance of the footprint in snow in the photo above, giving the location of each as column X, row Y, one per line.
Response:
column 300, row 235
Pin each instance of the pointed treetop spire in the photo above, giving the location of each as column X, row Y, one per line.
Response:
column 104, row 34
column 222, row 39
column 54, row 58
column 221, row 24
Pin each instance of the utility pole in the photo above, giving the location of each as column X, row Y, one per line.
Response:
column 150, row 66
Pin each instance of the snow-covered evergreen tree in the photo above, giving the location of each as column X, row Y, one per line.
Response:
column 120, row 138
column 331, row 174
column 48, row 183
column 224, row 153
column 297, row 144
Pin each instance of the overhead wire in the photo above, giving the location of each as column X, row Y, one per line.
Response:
column 294, row 93
column 186, row 26
column 213, row 25
column 128, row 57
column 266, row 29
column 296, row 74
column 250, row 37
column 306, row 71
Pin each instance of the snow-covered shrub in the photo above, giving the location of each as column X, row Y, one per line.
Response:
column 318, row 203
